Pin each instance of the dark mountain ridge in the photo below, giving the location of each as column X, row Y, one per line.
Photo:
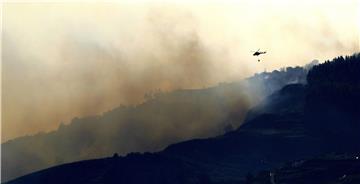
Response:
column 163, row 119
column 291, row 124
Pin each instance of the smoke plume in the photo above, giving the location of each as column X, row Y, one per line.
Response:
column 62, row 61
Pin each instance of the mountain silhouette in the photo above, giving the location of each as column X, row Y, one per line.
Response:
column 163, row 119
column 298, row 122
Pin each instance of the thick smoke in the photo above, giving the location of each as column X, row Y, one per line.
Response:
column 68, row 60
column 85, row 76
column 62, row 61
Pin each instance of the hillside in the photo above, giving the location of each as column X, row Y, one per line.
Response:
column 165, row 118
column 291, row 124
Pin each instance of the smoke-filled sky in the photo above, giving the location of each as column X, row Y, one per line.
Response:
column 65, row 60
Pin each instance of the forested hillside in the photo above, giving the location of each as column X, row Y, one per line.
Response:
column 297, row 122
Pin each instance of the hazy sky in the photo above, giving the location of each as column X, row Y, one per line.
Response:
column 65, row 60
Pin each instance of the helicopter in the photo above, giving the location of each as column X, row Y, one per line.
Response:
column 258, row 52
